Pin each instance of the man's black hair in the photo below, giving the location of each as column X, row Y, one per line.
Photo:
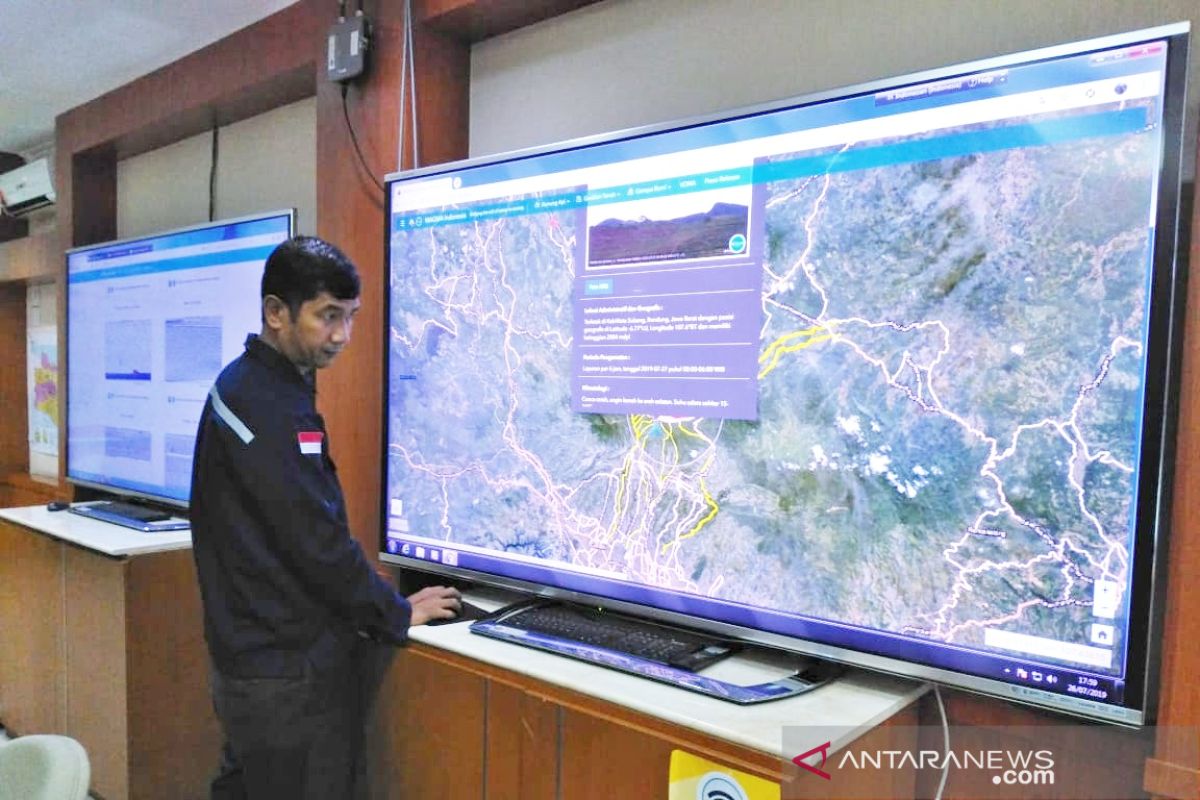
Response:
column 304, row 266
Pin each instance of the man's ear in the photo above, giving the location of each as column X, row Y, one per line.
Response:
column 276, row 314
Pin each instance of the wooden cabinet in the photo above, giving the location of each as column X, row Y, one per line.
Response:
column 523, row 736
column 111, row 652
column 451, row 727
column 427, row 735
column 32, row 685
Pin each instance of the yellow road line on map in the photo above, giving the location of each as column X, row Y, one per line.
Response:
column 782, row 340
column 671, row 435
column 639, row 423
column 663, row 443
column 668, row 438
column 620, row 493
column 777, row 350
column 713, row 508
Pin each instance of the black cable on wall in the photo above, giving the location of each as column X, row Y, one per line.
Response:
column 354, row 138
column 212, row 176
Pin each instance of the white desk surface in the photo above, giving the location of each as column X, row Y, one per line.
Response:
column 103, row 537
column 854, row 703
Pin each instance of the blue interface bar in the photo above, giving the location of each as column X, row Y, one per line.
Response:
column 172, row 264
column 85, row 259
column 1123, row 61
column 1048, row 132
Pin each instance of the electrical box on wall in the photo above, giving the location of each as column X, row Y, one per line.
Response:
column 346, row 51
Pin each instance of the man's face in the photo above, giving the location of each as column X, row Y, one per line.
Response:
column 318, row 333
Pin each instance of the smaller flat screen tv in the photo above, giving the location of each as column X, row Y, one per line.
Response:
column 150, row 323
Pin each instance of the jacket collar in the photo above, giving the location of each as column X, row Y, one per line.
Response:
column 259, row 350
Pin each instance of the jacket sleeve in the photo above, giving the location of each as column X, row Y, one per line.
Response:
column 299, row 500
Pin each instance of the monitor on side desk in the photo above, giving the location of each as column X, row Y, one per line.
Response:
column 151, row 321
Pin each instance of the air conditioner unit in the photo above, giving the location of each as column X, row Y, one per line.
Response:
column 27, row 188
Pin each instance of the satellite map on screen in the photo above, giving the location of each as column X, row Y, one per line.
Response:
column 948, row 371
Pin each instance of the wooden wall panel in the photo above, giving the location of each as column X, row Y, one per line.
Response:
column 19, row 489
column 11, row 228
column 97, row 714
column 1177, row 756
column 31, row 257
column 32, row 695
column 92, row 201
column 476, row 20
column 14, row 433
column 170, row 708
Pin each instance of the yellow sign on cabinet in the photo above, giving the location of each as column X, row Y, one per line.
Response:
column 695, row 778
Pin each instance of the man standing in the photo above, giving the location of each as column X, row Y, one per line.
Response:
column 292, row 608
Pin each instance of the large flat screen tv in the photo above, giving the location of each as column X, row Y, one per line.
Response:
column 150, row 323
column 885, row 375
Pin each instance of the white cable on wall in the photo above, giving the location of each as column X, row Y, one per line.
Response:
column 408, row 95
column 403, row 87
column 412, row 81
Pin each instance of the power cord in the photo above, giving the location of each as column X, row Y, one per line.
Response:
column 937, row 692
column 354, row 138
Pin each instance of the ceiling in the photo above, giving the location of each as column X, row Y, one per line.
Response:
column 55, row 56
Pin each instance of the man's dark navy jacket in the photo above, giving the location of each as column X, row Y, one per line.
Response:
column 282, row 579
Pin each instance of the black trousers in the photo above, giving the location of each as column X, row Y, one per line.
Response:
column 299, row 737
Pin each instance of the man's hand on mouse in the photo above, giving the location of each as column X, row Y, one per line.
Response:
column 435, row 602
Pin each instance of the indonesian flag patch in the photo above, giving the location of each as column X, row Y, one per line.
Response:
column 310, row 442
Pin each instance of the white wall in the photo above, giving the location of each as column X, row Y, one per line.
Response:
column 627, row 63
column 264, row 163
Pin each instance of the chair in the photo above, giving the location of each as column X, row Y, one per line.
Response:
column 43, row 767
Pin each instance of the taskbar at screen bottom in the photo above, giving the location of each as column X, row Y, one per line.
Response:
column 1029, row 679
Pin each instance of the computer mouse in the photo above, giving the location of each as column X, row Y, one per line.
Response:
column 57, row 505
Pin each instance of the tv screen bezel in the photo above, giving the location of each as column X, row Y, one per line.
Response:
column 122, row 491
column 1164, row 351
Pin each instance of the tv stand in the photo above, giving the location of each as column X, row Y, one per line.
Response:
column 648, row 649
column 131, row 515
